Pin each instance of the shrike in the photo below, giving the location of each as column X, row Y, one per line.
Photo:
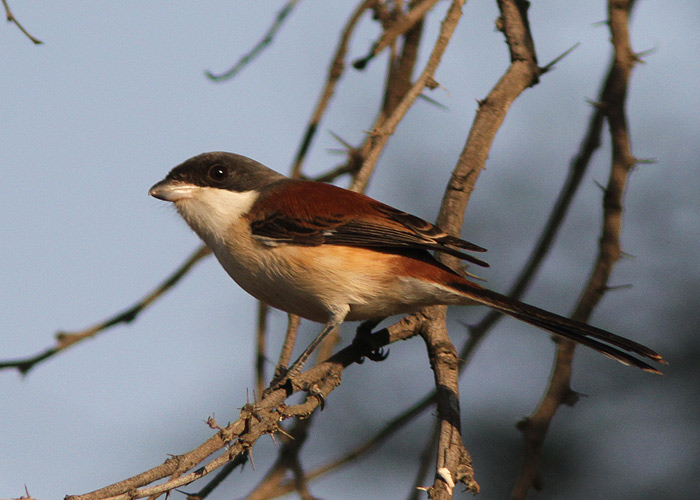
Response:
column 330, row 255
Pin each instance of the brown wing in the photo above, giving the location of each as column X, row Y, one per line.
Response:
column 314, row 213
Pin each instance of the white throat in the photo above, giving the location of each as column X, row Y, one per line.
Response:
column 210, row 212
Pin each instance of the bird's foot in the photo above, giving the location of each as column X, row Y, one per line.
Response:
column 283, row 379
column 365, row 341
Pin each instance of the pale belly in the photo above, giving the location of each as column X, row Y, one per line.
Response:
column 311, row 281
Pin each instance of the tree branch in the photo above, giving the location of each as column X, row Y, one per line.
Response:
column 452, row 458
column 12, row 19
column 385, row 127
column 559, row 391
column 256, row 420
column 335, row 71
column 453, row 461
column 399, row 25
column 258, row 48
column 64, row 340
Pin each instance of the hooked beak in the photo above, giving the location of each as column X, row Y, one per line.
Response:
column 169, row 190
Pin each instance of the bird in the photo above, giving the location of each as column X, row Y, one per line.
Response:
column 332, row 255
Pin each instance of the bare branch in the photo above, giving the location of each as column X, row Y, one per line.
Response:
column 258, row 48
column 288, row 345
column 12, row 19
column 384, row 128
column 64, row 340
column 256, row 420
column 335, row 71
column 397, row 27
column 453, row 461
column 261, row 347
column 523, row 72
column 559, row 392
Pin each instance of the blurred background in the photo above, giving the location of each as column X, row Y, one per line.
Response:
column 116, row 96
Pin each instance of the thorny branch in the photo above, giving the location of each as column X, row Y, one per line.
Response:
column 522, row 73
column 335, row 72
column 64, row 340
column 256, row 420
column 384, row 127
column 612, row 106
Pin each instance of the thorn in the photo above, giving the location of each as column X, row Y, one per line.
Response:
column 571, row 397
column 250, row 456
column 625, row 255
column 548, row 67
column 602, row 188
column 639, row 56
column 645, row 161
column 340, row 140
column 612, row 288
column 432, row 101
column 595, row 104
column 285, row 433
column 211, row 422
column 190, row 496
column 431, row 83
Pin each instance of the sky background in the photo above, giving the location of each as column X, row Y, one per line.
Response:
column 116, row 96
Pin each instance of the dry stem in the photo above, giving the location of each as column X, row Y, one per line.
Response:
column 559, row 391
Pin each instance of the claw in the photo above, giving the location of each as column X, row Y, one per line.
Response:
column 378, row 354
column 363, row 339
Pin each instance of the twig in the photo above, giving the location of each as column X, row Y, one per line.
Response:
column 384, row 128
column 288, row 458
column 400, row 73
column 523, row 72
column 64, row 340
column 290, row 338
column 12, row 19
column 559, row 391
column 259, row 47
column 261, row 347
column 335, row 71
column 397, row 27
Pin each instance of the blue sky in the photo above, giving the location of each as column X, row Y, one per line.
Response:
column 116, row 96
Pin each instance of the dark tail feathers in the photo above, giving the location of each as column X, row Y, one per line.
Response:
column 609, row 344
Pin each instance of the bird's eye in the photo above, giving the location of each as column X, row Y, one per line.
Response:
column 218, row 173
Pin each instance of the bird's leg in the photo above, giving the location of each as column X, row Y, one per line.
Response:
column 363, row 340
column 295, row 369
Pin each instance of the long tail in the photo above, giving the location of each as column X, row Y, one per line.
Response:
column 609, row 344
